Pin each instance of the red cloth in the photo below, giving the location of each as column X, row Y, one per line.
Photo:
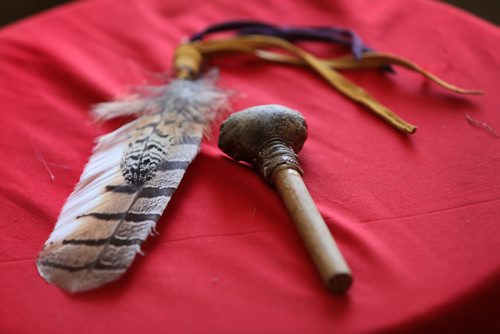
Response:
column 417, row 217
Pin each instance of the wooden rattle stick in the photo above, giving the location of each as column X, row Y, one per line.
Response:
column 269, row 137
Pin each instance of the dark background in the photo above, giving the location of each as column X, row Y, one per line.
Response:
column 11, row 11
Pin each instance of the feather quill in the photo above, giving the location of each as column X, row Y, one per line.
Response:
column 128, row 181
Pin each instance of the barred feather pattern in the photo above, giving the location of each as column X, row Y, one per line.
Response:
column 128, row 182
column 146, row 151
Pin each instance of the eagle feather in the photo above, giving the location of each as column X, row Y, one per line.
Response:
column 128, row 182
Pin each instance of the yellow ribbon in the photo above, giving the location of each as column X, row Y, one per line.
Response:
column 188, row 58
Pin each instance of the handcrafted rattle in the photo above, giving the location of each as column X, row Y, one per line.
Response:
column 269, row 137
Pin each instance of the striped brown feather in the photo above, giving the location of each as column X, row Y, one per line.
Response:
column 105, row 244
column 126, row 186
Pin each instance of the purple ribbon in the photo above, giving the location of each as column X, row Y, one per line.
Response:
column 342, row 36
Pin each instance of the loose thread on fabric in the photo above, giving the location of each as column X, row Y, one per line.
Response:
column 40, row 158
column 482, row 125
